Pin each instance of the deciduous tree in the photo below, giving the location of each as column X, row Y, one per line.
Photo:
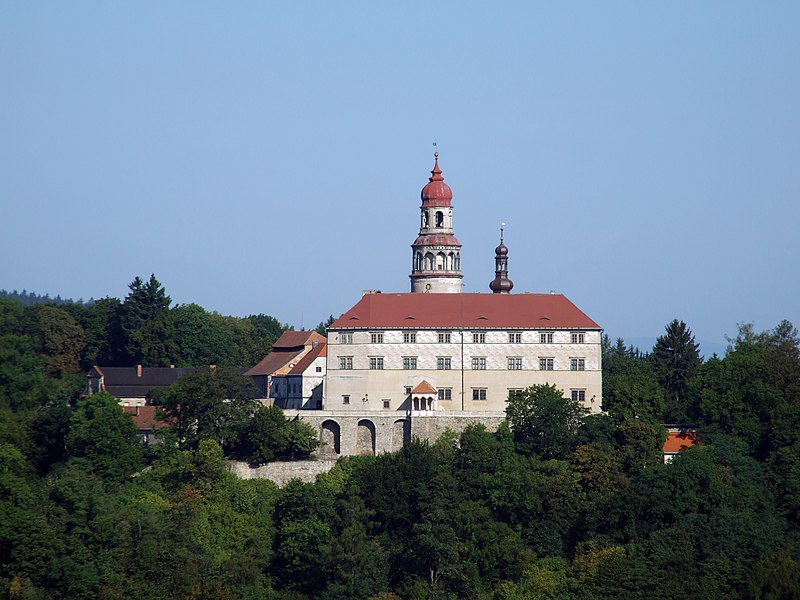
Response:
column 544, row 422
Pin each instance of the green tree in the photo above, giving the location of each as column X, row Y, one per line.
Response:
column 210, row 403
column 62, row 340
column 106, row 437
column 676, row 359
column 544, row 422
column 631, row 390
column 322, row 328
column 105, row 342
column 147, row 324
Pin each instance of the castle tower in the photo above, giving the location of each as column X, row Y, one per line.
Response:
column 436, row 253
column 501, row 283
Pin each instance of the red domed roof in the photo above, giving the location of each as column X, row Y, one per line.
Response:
column 436, row 192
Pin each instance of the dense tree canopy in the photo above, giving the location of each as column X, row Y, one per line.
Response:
column 554, row 504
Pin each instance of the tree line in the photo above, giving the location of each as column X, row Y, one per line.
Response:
column 556, row 504
column 144, row 328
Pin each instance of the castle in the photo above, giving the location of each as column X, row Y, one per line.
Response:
column 398, row 365
column 414, row 364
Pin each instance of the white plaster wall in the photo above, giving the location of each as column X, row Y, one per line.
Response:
column 368, row 388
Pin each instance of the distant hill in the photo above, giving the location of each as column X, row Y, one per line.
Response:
column 27, row 298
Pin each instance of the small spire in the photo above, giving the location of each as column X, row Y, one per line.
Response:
column 436, row 174
column 501, row 283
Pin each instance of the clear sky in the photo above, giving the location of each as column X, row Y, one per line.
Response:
column 268, row 157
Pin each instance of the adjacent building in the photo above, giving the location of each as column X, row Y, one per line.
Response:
column 292, row 374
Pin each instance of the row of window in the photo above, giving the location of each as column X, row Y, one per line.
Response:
column 478, row 393
column 445, row 363
column 445, row 337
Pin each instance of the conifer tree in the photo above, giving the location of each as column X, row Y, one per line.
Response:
column 676, row 359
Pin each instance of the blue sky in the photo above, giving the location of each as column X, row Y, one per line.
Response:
column 268, row 158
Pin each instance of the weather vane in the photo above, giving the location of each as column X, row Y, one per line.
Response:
column 436, row 152
column 502, row 227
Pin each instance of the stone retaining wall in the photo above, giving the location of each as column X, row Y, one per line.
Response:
column 281, row 472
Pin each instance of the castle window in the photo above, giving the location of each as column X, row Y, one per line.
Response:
column 439, row 218
column 376, row 363
column 346, row 362
column 577, row 337
column 409, row 337
column 514, row 363
column 444, row 337
column 407, row 390
column 479, row 363
column 445, row 393
column 577, row 364
column 546, row 337
column 345, row 399
column 478, row 338
column 546, row 364
column 376, row 337
column 514, row 338
column 386, row 403
column 346, row 337
column 443, row 363
column 514, row 392
column 319, row 369
column 409, row 363
column 479, row 393
column 578, row 395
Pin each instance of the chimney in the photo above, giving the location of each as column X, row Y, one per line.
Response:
column 138, row 370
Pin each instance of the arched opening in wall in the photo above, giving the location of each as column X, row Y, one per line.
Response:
column 330, row 438
column 429, row 261
column 365, row 437
column 457, row 262
column 439, row 218
column 424, row 218
column 451, row 259
column 401, row 434
column 418, row 262
column 441, row 261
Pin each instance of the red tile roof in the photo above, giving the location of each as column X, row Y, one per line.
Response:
column 145, row 417
column 286, row 350
column 423, row 387
column 274, row 361
column 319, row 350
column 473, row 311
column 678, row 441
column 297, row 339
column 437, row 239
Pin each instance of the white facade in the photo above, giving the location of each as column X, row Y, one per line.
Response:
column 474, row 371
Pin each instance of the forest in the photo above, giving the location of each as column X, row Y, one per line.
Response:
column 556, row 504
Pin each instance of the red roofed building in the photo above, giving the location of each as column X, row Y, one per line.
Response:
column 474, row 349
column 144, row 417
column 292, row 374
column 678, row 440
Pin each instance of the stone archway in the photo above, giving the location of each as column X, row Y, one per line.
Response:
column 400, row 434
column 365, row 437
column 330, row 438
